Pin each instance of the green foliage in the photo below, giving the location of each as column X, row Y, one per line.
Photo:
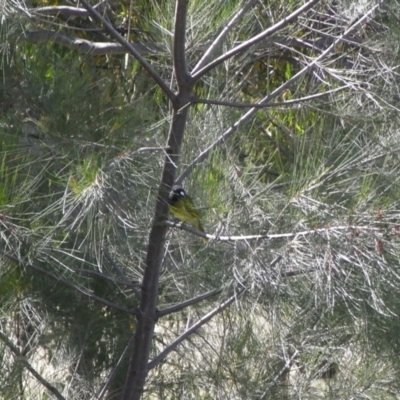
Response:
column 319, row 175
column 85, row 175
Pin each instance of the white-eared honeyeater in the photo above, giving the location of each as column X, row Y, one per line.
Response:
column 181, row 206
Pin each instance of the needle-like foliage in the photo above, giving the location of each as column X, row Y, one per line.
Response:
column 280, row 119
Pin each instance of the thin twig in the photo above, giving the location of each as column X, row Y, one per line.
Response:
column 66, row 10
column 220, row 38
column 111, row 30
column 87, row 47
column 28, row 366
column 67, row 283
column 269, row 236
column 185, row 227
column 110, row 378
column 156, row 360
column 187, row 303
column 248, row 43
column 286, row 103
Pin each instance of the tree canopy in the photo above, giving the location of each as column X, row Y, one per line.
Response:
column 281, row 121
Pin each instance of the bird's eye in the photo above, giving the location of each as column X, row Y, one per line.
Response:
column 181, row 193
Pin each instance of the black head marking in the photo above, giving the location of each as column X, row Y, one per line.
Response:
column 177, row 193
column 178, row 190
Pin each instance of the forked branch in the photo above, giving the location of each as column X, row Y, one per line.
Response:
column 156, row 360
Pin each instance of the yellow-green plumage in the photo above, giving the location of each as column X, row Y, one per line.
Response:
column 181, row 206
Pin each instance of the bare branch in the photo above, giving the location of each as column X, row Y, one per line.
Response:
column 156, row 360
column 180, row 67
column 28, row 366
column 66, row 10
column 286, row 103
column 294, row 234
column 188, row 303
column 110, row 29
column 185, row 227
column 87, row 47
column 220, row 38
column 273, row 236
column 67, row 283
column 248, row 43
column 110, row 378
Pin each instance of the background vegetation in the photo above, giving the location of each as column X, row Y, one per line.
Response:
column 281, row 119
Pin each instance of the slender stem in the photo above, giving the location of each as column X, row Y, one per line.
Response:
column 87, row 47
column 220, row 38
column 285, row 103
column 269, row 236
column 111, row 30
column 110, row 378
column 178, row 307
column 66, row 10
column 181, row 225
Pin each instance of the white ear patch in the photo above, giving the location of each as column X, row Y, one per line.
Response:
column 181, row 193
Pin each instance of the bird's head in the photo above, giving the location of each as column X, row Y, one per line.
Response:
column 176, row 193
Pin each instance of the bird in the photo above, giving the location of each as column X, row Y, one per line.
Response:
column 181, row 206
